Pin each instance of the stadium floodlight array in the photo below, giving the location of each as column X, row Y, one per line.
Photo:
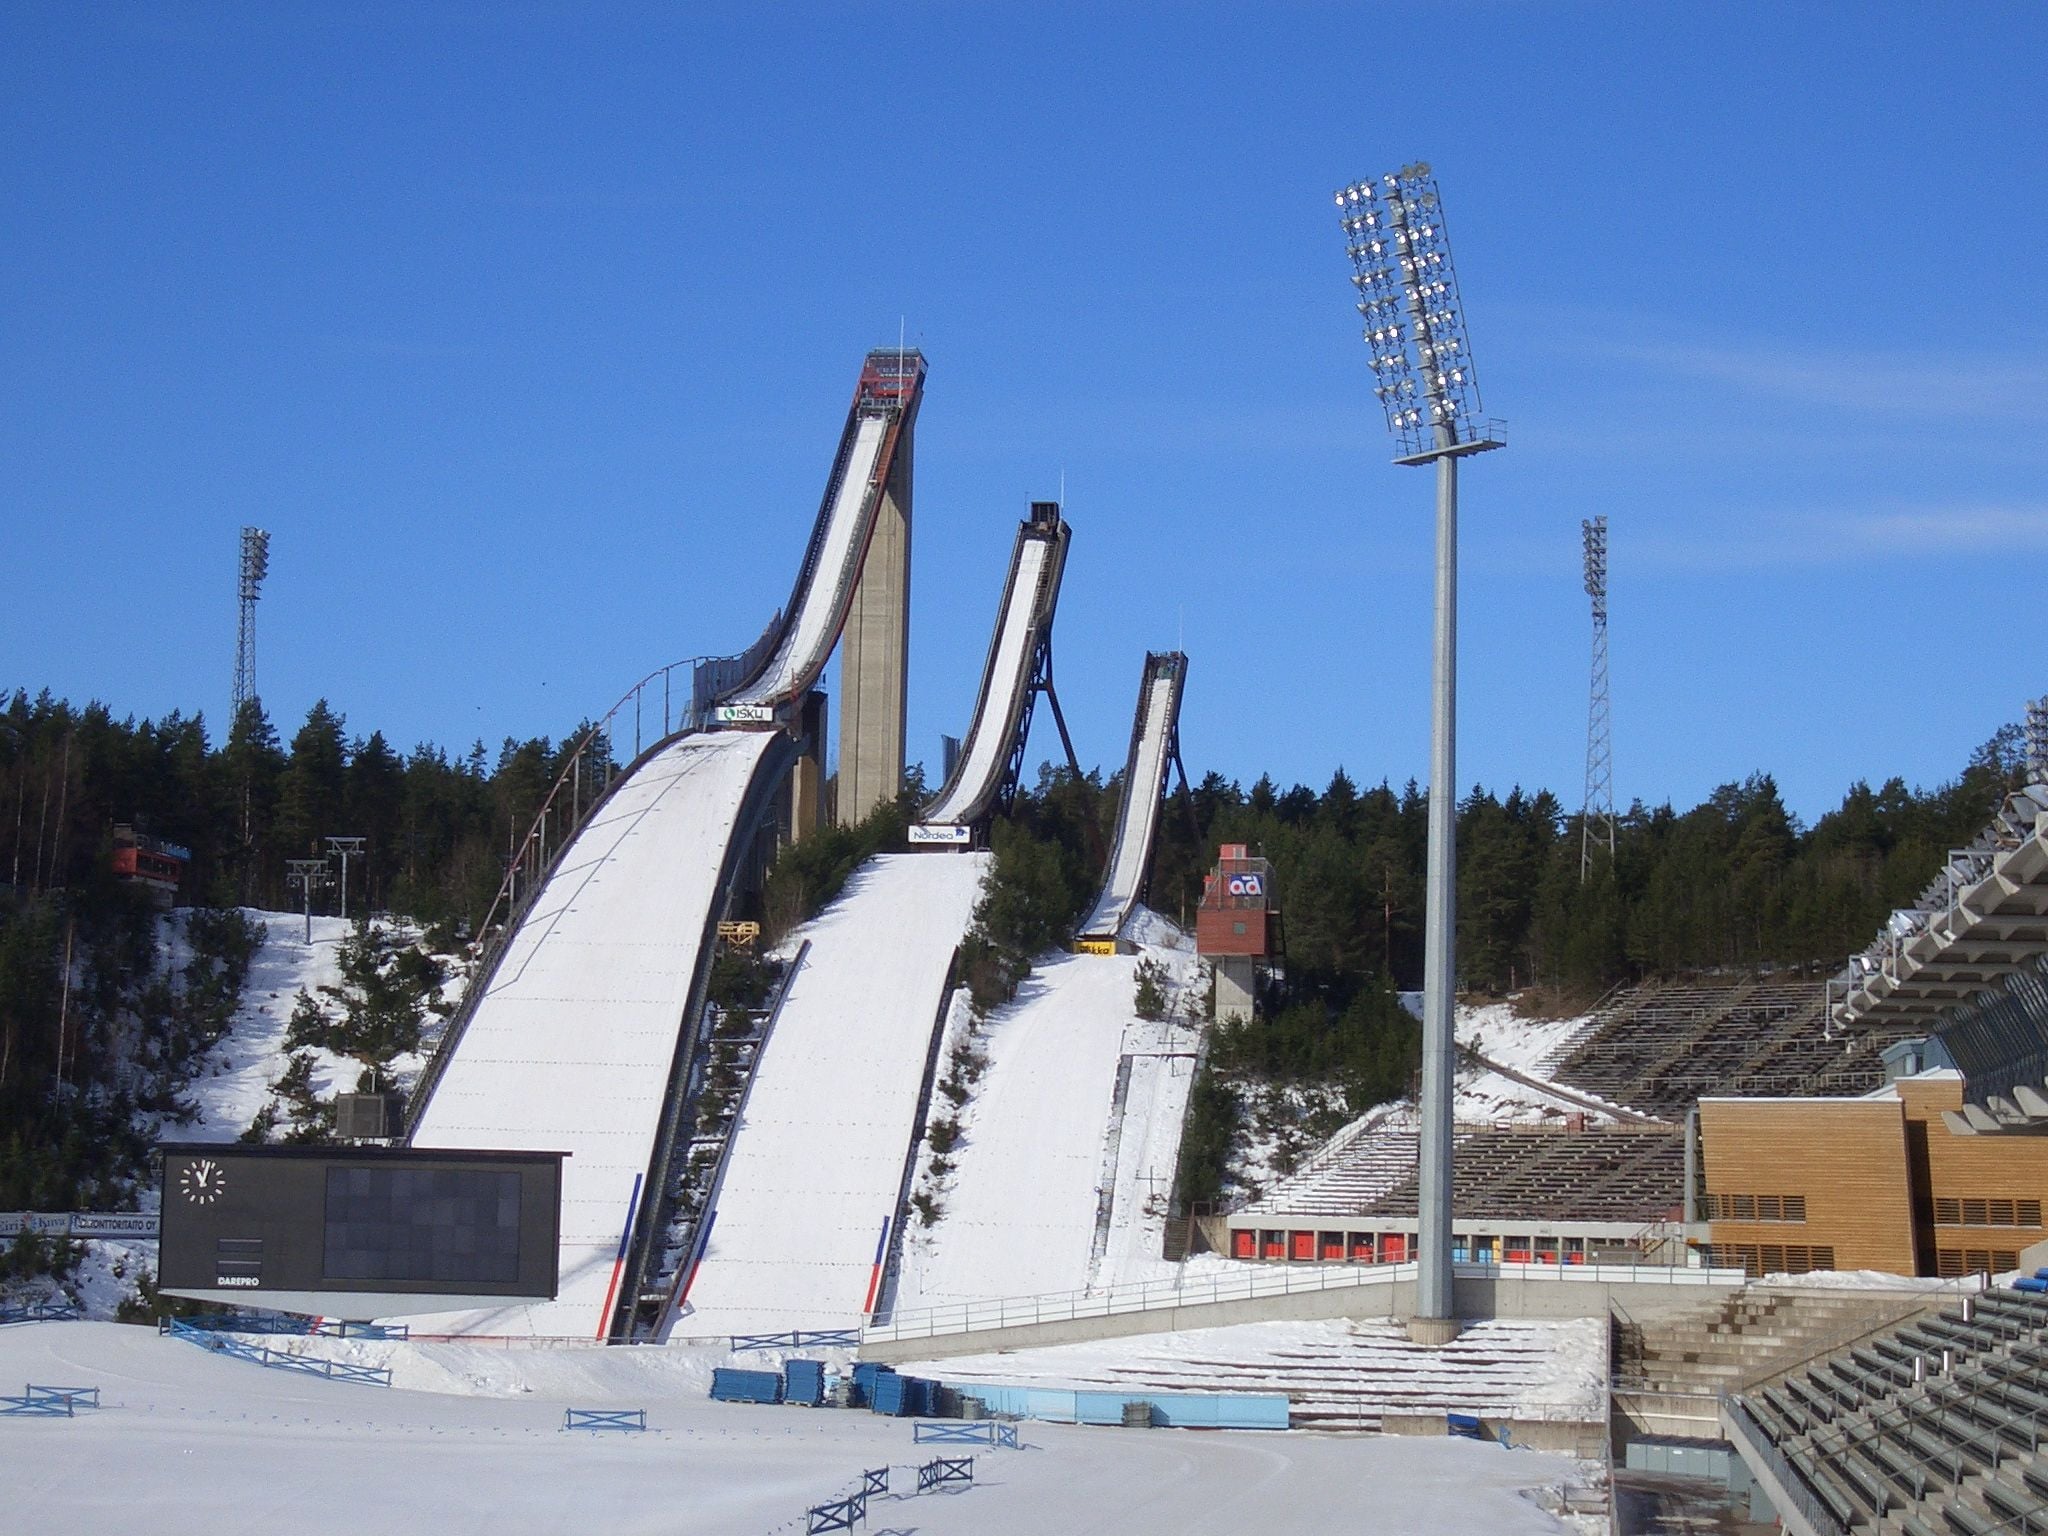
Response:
column 1424, row 380
column 2037, row 740
column 1414, row 320
column 1596, row 813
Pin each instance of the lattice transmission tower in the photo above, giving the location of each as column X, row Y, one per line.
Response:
column 255, row 566
column 1596, row 818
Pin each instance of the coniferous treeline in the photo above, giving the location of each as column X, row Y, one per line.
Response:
column 1736, row 881
column 437, row 827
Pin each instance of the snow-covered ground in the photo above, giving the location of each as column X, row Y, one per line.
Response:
column 1338, row 1373
column 190, row 1442
column 816, row 1166
column 1523, row 1045
column 233, row 1083
column 1036, row 1151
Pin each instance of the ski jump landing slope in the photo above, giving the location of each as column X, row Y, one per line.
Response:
column 816, row 1166
column 1152, row 747
column 1044, row 1130
column 571, row 1047
column 1022, row 624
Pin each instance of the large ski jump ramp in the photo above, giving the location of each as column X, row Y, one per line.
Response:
column 1152, row 738
column 816, row 1167
column 571, row 1048
column 999, row 711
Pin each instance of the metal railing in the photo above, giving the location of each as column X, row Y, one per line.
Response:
column 568, row 804
column 1257, row 1281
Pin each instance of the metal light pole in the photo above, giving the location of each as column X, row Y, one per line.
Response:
column 306, row 874
column 1596, row 812
column 255, row 566
column 344, row 846
column 1408, row 294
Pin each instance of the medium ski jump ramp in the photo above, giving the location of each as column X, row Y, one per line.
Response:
column 1154, row 744
column 1002, row 708
column 806, row 1211
column 571, row 1047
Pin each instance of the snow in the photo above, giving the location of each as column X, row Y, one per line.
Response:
column 1139, row 813
column 814, row 629
column 571, row 1047
column 191, row 1442
column 1022, row 1207
column 991, row 735
column 233, row 1084
column 816, row 1166
column 1337, row 1372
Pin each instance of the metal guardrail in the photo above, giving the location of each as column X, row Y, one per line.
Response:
column 1258, row 1281
column 1823, row 1520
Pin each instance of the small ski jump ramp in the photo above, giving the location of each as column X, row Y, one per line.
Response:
column 1002, row 709
column 1154, row 745
column 806, row 1211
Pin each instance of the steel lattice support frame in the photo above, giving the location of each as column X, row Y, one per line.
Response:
column 255, row 566
column 1414, row 324
column 1596, row 815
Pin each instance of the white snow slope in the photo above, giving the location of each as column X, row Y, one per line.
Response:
column 1021, row 1211
column 571, row 1047
column 194, row 1444
column 817, row 1164
column 989, row 737
column 814, row 627
column 1140, row 809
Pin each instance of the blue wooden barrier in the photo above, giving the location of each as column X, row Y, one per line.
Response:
column 259, row 1354
column 632, row 1420
column 803, row 1382
column 875, row 1480
column 946, row 1469
column 732, row 1386
column 989, row 1432
column 36, row 1408
column 840, row 1515
column 816, row 1338
column 39, row 1312
column 77, row 1397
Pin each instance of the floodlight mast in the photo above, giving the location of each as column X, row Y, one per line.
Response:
column 1408, row 296
column 1596, row 812
column 2037, row 740
column 255, row 566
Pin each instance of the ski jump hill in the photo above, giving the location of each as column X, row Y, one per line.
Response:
column 582, row 1030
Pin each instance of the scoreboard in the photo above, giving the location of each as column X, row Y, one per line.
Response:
column 359, row 1232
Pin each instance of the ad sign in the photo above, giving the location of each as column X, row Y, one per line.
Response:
column 743, row 714
column 1247, row 885
column 942, row 833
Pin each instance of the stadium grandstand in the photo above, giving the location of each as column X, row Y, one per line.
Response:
column 1931, row 1427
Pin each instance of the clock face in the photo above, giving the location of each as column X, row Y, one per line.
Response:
column 203, row 1181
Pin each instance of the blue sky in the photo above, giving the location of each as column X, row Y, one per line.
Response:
column 527, row 330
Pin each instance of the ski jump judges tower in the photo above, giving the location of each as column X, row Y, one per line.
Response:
column 874, row 653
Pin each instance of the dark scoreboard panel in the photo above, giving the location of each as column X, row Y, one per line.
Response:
column 360, row 1231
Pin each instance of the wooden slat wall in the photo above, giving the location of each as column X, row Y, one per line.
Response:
column 1846, row 1156
column 1973, row 1167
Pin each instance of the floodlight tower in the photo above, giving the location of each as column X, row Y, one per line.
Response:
column 255, row 566
column 2037, row 740
column 1408, row 294
column 1596, row 815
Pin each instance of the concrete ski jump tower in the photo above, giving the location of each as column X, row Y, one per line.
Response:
column 874, row 654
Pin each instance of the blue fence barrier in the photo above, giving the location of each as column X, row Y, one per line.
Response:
column 946, row 1469
column 803, row 1382
column 39, row 1312
column 875, row 1480
column 840, row 1515
column 825, row 1338
column 77, row 1397
column 221, row 1343
column 989, row 1432
column 27, row 1407
column 630, row 1420
column 1173, row 1410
